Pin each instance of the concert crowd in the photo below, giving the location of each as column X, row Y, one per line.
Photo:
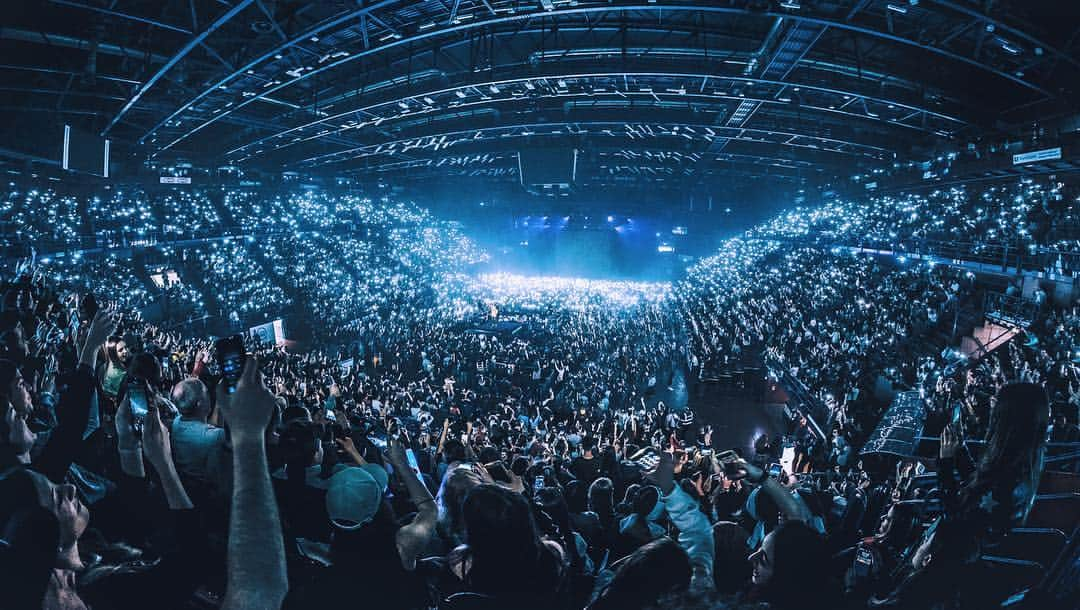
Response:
column 462, row 441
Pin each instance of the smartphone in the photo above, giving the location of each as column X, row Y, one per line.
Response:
column 864, row 556
column 727, row 460
column 411, row 458
column 331, row 416
column 705, row 452
column 775, row 470
column 864, row 562
column 538, row 483
column 230, row 354
column 728, row 456
column 956, row 414
column 137, row 397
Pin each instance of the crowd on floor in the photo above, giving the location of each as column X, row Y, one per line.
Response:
column 426, row 457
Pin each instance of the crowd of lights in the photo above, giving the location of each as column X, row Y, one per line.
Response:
column 344, row 256
column 834, row 317
column 576, row 294
column 792, row 287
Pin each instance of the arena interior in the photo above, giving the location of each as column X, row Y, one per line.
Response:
column 540, row 304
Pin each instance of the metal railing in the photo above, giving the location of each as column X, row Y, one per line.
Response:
column 809, row 406
column 1058, row 454
column 1010, row 310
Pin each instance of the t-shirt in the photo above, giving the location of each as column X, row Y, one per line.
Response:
column 113, row 378
column 193, row 443
column 585, row 469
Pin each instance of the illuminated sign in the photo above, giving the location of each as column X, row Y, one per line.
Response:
column 175, row 179
column 1046, row 154
column 269, row 333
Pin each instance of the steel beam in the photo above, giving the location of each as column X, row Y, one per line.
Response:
column 44, row 70
column 295, row 40
column 597, row 128
column 181, row 54
column 482, row 23
column 60, row 40
column 371, row 109
column 122, row 15
column 62, row 92
column 795, row 44
column 1000, row 26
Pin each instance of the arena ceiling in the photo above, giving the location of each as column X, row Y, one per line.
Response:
column 663, row 91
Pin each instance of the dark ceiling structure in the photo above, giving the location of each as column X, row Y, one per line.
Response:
column 672, row 93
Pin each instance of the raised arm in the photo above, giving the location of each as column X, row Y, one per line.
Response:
column 952, row 466
column 442, row 436
column 73, row 407
column 157, row 447
column 199, row 368
column 785, row 502
column 695, row 531
column 256, row 562
column 412, row 538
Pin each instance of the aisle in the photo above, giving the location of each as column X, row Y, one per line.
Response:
column 677, row 397
column 737, row 418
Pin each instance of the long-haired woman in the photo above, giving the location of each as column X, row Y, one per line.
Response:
column 111, row 373
column 982, row 500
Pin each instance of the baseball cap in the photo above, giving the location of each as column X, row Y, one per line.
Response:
column 354, row 495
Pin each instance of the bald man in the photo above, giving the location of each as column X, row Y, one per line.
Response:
column 196, row 445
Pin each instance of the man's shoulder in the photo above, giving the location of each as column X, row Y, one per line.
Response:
column 197, row 429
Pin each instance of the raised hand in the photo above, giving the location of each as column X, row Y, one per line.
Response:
column 347, row 444
column 156, row 444
column 697, row 478
column 739, row 469
column 101, row 327
column 395, row 453
column 249, row 408
column 349, row 447
column 126, row 436
column 950, row 442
